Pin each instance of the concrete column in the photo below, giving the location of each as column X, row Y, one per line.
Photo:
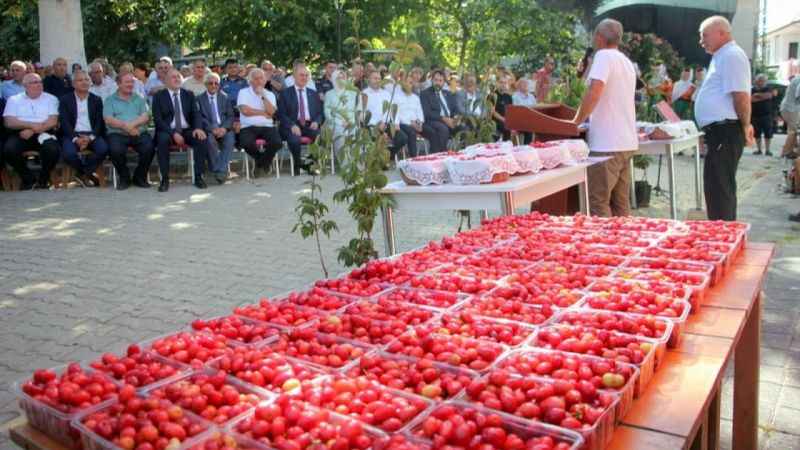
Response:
column 745, row 26
column 61, row 31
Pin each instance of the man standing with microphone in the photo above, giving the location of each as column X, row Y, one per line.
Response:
column 722, row 111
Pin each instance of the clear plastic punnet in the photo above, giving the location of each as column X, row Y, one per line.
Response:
column 283, row 315
column 452, row 283
column 649, row 326
column 596, row 434
column 456, row 351
column 426, row 298
column 422, row 377
column 238, row 329
column 720, row 261
column 179, row 347
column 622, row 378
column 522, row 430
column 53, row 422
column 506, row 332
column 268, row 372
column 698, row 282
column 669, row 264
column 146, row 361
column 339, row 352
column 495, row 307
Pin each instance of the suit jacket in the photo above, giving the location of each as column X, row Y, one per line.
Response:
column 432, row 107
column 224, row 109
column 68, row 115
column 288, row 109
column 164, row 111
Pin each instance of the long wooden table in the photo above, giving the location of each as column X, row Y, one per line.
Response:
column 680, row 409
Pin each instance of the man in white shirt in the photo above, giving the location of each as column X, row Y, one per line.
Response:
column 381, row 122
column 610, row 106
column 80, row 116
column 409, row 114
column 31, row 118
column 155, row 82
column 722, row 110
column 102, row 86
column 257, row 108
column 196, row 83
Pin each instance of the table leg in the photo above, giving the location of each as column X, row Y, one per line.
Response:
column 388, row 230
column 745, row 382
column 507, row 203
column 698, row 197
column 713, row 421
column 634, row 202
column 673, row 200
column 484, row 214
column 583, row 194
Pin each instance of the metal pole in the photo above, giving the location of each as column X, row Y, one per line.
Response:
column 634, row 202
column 698, row 198
column 388, row 230
column 507, row 203
column 673, row 203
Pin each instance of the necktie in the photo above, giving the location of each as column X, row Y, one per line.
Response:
column 214, row 111
column 301, row 107
column 176, row 99
column 445, row 110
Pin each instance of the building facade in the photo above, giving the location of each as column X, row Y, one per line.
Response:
column 782, row 49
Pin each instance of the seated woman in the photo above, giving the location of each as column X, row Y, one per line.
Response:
column 523, row 97
column 341, row 109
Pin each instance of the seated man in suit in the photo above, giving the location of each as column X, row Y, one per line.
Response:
column 257, row 109
column 178, row 122
column 217, row 114
column 440, row 112
column 126, row 117
column 300, row 113
column 80, row 114
column 31, row 118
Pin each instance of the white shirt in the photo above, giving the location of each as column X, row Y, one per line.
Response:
column 791, row 99
column 445, row 108
column 728, row 72
column 151, row 84
column 473, row 104
column 375, row 100
column 302, row 95
column 289, row 82
column 409, row 108
column 193, row 84
column 612, row 124
column 520, row 99
column 184, row 122
column 212, row 100
column 138, row 88
column 104, row 90
column 82, row 123
column 35, row 110
column 248, row 97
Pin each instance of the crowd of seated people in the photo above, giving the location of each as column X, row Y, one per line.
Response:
column 83, row 116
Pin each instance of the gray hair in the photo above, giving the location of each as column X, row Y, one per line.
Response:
column 17, row 64
column 253, row 72
column 212, row 76
column 718, row 22
column 95, row 65
column 761, row 77
column 610, row 30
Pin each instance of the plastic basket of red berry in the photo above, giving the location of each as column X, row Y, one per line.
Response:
column 425, row 298
column 191, row 349
column 140, row 369
column 456, row 351
column 697, row 282
column 240, row 330
column 284, row 315
column 506, row 332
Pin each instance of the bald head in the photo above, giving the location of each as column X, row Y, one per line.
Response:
column 714, row 33
column 96, row 73
column 608, row 33
column 33, row 85
column 173, row 80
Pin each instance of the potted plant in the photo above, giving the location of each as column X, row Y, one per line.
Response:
column 642, row 187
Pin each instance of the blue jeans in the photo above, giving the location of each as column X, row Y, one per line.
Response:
column 220, row 151
column 84, row 164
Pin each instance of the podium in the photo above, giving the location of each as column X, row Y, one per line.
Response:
column 549, row 122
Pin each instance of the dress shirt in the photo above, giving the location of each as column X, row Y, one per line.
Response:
column 184, row 122
column 104, row 90
column 82, row 122
column 151, row 84
column 302, row 95
column 521, row 99
column 473, row 104
column 443, row 102
column 409, row 108
column 34, row 110
column 11, row 88
column 212, row 99
column 728, row 72
column 124, row 110
column 375, row 100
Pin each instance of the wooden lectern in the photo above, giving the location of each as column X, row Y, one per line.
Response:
column 549, row 122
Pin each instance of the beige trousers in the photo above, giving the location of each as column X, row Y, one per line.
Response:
column 610, row 185
column 792, row 120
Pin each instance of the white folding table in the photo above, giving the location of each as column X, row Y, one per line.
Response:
column 505, row 197
column 670, row 148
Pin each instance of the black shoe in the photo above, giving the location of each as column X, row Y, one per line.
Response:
column 26, row 186
column 757, row 152
column 794, row 217
column 164, row 186
column 122, row 184
column 768, row 153
column 141, row 182
column 200, row 183
column 43, row 184
column 220, row 177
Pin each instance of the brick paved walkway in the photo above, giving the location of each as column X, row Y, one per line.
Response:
column 85, row 271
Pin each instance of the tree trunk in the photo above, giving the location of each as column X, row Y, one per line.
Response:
column 61, row 31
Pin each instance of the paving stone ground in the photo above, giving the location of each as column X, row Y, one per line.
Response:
column 83, row 271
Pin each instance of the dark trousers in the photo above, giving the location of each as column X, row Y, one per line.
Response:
column 84, row 164
column 118, row 150
column 220, row 151
column 49, row 152
column 163, row 142
column 248, row 137
column 294, row 141
column 725, row 143
column 411, row 142
column 437, row 133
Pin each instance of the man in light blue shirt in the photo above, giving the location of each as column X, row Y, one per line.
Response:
column 723, row 110
column 14, row 85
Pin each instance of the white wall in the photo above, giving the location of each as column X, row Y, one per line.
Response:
column 745, row 25
column 61, row 31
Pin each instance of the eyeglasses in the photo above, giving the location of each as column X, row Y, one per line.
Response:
column 212, row 83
